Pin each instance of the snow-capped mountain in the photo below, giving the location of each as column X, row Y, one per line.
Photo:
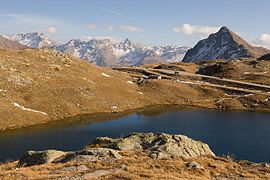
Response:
column 171, row 53
column 104, row 52
column 33, row 40
column 224, row 44
column 107, row 53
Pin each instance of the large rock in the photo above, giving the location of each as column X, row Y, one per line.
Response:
column 91, row 155
column 31, row 158
column 158, row 146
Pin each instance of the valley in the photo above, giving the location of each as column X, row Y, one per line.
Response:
column 62, row 96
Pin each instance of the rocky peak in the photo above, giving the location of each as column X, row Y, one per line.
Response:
column 100, row 50
column 225, row 44
column 127, row 42
column 224, row 29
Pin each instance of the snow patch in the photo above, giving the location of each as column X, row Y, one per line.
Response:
column 114, row 107
column 2, row 90
column 130, row 82
column 140, row 93
column 106, row 75
column 89, row 80
column 27, row 109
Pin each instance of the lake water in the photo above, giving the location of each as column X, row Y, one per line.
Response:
column 246, row 135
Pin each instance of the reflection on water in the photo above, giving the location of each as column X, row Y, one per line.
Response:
column 244, row 134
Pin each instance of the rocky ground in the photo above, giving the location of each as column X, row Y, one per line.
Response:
column 41, row 86
column 137, row 156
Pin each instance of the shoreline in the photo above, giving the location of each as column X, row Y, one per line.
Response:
column 107, row 116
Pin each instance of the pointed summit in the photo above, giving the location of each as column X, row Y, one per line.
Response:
column 127, row 42
column 225, row 44
column 224, row 28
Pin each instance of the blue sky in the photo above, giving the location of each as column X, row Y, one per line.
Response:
column 153, row 22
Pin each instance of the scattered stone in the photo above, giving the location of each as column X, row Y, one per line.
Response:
column 19, row 79
column 70, row 169
column 82, row 168
column 56, row 67
column 141, row 81
column 194, row 165
column 124, row 167
column 96, row 174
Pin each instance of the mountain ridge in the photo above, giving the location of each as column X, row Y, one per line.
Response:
column 32, row 39
column 104, row 52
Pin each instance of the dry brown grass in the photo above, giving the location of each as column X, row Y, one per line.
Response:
column 137, row 165
column 63, row 86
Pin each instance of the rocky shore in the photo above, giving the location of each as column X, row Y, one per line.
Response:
column 136, row 156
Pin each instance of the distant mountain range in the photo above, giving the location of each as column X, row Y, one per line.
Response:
column 33, row 40
column 104, row 52
column 224, row 44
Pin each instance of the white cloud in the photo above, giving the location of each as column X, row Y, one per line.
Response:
column 116, row 13
column 129, row 28
column 111, row 38
column 203, row 31
column 91, row 26
column 15, row 23
column 263, row 41
column 51, row 30
column 109, row 28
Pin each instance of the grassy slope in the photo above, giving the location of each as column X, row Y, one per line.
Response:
column 63, row 86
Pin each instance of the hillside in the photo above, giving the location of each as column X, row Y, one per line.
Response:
column 39, row 86
column 225, row 44
column 8, row 44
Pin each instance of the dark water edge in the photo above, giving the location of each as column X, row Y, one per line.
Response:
column 246, row 135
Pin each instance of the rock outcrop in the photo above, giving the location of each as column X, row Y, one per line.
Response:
column 213, row 68
column 31, row 158
column 265, row 57
column 158, row 146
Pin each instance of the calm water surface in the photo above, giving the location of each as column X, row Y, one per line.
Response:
column 246, row 135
